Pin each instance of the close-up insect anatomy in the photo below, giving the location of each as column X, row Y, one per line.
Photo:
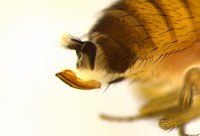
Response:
column 152, row 43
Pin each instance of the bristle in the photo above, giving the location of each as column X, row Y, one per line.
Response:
column 71, row 42
column 65, row 40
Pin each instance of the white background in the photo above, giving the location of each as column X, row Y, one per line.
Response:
column 33, row 102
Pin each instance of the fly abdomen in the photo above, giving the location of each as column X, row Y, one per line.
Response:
column 133, row 30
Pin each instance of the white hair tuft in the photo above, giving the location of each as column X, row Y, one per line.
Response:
column 66, row 40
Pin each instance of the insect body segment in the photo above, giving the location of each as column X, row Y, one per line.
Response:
column 148, row 28
column 153, row 42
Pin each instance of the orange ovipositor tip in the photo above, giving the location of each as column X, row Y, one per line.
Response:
column 70, row 78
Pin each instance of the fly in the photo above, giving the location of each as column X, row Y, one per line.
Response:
column 154, row 42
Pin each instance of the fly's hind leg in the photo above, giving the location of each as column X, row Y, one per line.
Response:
column 156, row 107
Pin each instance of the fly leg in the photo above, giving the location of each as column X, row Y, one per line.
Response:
column 168, row 109
column 175, row 109
column 182, row 116
column 189, row 104
column 156, row 107
column 182, row 131
column 191, row 87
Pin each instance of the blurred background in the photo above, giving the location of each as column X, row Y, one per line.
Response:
column 33, row 102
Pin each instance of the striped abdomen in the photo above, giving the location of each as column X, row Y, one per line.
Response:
column 133, row 30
